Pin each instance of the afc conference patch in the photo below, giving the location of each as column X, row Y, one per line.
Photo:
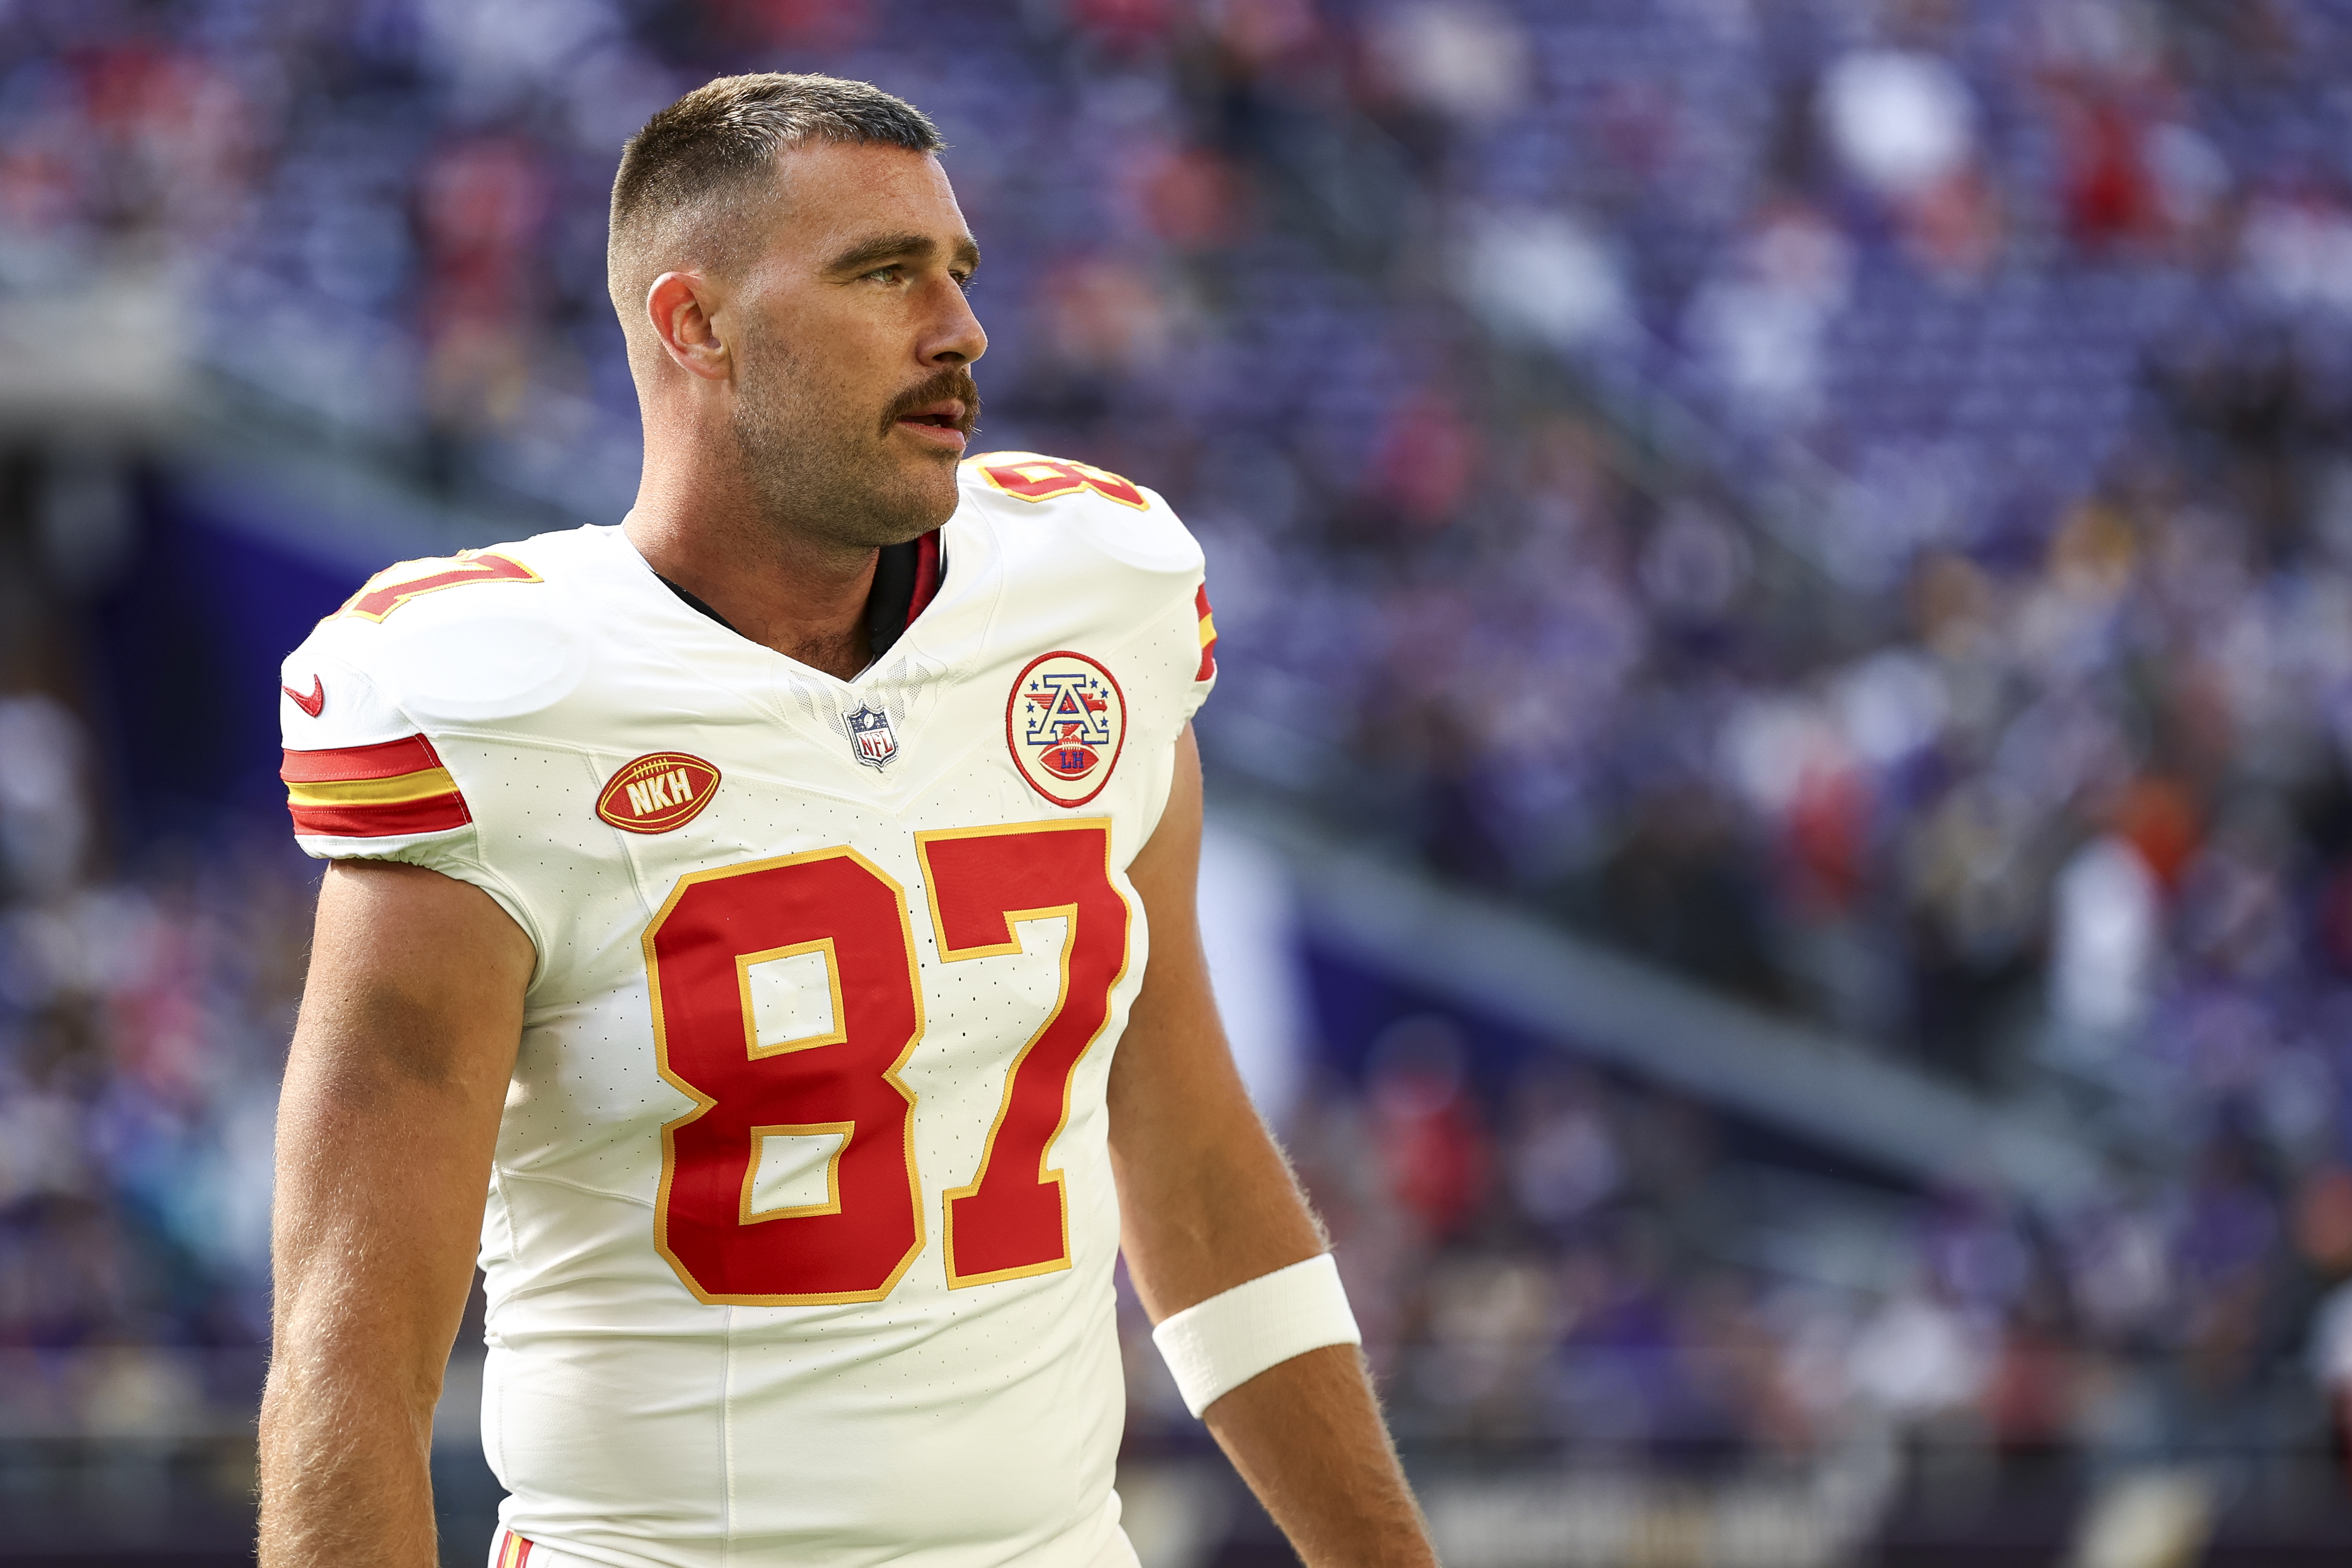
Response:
column 1065, row 721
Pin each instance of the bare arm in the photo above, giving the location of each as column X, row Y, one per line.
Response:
column 410, row 1021
column 1208, row 1203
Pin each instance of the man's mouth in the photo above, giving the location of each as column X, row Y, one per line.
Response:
column 940, row 412
column 945, row 414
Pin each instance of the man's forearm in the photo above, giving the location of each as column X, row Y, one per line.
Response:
column 345, row 1465
column 371, row 1283
column 1207, row 1204
column 1307, row 1436
column 1307, row 1433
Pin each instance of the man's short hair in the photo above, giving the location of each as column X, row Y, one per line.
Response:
column 708, row 152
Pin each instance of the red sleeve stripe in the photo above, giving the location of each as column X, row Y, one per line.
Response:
column 383, row 791
column 437, row 815
column 1208, row 635
column 386, row 759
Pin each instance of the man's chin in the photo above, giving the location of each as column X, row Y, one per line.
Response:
column 921, row 503
column 930, row 466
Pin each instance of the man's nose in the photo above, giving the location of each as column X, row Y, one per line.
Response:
column 957, row 337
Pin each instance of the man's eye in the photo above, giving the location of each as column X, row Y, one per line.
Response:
column 887, row 274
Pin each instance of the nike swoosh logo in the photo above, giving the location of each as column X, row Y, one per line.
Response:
column 312, row 703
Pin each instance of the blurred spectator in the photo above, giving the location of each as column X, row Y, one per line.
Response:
column 2106, row 925
column 1759, row 324
column 1426, row 1127
column 1903, row 122
column 142, row 1024
column 44, row 830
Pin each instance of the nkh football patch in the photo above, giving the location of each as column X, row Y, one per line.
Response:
column 1065, row 721
column 658, row 792
column 383, row 791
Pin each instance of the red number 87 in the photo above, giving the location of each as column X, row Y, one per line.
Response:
column 1012, row 1218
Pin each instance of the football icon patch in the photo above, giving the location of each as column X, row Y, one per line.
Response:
column 658, row 792
column 1066, row 722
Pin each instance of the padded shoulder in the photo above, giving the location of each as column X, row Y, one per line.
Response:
column 1035, row 477
column 1125, row 520
column 474, row 638
column 405, row 581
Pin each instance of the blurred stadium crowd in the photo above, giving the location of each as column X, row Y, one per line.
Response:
column 1849, row 501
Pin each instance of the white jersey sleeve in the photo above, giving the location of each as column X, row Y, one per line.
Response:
column 365, row 779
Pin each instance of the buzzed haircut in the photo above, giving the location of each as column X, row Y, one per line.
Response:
column 707, row 153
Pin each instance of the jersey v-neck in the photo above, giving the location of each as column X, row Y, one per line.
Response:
column 905, row 580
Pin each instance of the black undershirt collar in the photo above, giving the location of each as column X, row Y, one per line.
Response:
column 887, row 602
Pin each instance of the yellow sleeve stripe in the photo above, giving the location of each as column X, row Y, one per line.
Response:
column 397, row 790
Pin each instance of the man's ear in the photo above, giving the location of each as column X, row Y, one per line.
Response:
column 681, row 306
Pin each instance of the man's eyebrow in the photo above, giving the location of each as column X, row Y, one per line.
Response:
column 868, row 254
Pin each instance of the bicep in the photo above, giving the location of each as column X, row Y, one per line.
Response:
column 410, row 1017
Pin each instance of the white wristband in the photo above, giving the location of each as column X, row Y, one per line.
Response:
column 1215, row 1346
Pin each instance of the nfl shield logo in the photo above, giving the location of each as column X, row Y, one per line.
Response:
column 871, row 736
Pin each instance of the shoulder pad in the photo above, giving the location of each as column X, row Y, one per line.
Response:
column 1081, row 505
column 1033, row 477
column 401, row 581
column 478, row 637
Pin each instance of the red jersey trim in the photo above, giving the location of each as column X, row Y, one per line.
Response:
column 927, row 575
column 384, row 760
column 1208, row 635
column 385, row 791
column 437, row 814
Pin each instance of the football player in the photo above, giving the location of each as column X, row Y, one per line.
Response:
column 781, row 904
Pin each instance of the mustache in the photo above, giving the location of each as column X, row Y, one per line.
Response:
column 954, row 382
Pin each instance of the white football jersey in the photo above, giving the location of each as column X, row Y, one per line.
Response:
column 800, row 1234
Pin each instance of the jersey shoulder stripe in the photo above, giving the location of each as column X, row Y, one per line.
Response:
column 404, row 580
column 1207, row 634
column 389, row 789
column 1035, row 477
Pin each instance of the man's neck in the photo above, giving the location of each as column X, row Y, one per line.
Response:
column 803, row 597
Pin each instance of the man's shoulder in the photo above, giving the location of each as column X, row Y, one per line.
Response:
column 472, row 635
column 1038, row 502
column 1037, row 478
column 432, row 582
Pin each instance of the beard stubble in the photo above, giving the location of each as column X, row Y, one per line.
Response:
column 823, row 469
